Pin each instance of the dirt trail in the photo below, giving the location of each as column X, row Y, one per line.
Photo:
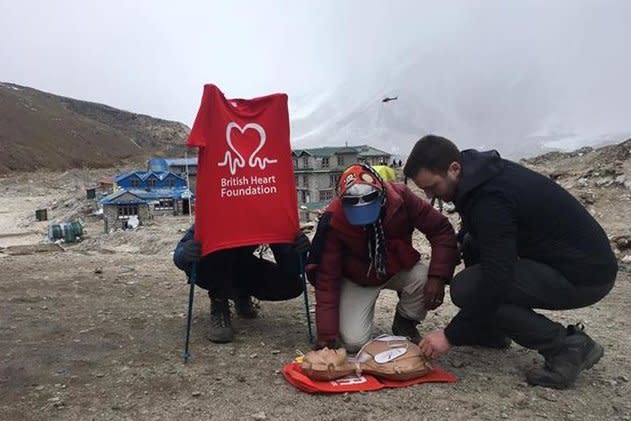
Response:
column 96, row 332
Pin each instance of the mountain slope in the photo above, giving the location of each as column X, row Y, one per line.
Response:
column 42, row 130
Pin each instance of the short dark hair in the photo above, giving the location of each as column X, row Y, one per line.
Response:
column 433, row 153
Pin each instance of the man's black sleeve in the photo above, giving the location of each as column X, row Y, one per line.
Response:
column 493, row 222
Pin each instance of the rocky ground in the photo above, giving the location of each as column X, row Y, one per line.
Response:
column 95, row 330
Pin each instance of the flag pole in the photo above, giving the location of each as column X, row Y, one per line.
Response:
column 306, row 296
column 193, row 276
column 189, row 321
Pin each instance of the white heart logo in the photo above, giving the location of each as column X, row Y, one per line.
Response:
column 239, row 160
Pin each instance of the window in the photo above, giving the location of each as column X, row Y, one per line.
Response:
column 164, row 204
column 135, row 182
column 151, row 182
column 295, row 162
column 333, row 180
column 305, row 181
column 305, row 162
column 325, row 162
column 171, row 182
column 124, row 211
column 340, row 160
column 326, row 195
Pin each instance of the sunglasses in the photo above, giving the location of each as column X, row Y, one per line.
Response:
column 356, row 200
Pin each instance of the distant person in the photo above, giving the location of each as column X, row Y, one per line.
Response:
column 387, row 173
column 239, row 275
column 363, row 245
column 527, row 244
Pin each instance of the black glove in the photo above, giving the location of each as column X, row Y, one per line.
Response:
column 191, row 251
column 301, row 243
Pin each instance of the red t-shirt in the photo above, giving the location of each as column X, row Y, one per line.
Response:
column 245, row 192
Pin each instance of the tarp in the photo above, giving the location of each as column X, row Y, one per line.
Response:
column 364, row 383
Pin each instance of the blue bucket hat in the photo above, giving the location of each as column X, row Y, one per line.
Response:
column 361, row 194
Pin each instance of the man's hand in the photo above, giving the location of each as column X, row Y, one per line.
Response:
column 191, row 251
column 301, row 243
column 435, row 344
column 433, row 293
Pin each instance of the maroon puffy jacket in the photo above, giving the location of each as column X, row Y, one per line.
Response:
column 344, row 250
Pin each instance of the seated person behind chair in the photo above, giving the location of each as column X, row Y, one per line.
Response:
column 238, row 274
column 363, row 244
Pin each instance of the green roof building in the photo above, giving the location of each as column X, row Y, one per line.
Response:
column 318, row 170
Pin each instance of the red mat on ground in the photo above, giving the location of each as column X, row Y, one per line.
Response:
column 364, row 383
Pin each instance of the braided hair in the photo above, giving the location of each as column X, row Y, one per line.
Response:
column 374, row 232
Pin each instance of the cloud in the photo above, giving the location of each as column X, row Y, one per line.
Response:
column 486, row 72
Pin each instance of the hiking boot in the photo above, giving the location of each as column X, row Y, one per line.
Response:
column 579, row 352
column 246, row 307
column 220, row 323
column 405, row 327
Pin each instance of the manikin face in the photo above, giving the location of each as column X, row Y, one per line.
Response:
column 439, row 185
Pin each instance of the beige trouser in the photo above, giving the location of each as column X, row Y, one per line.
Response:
column 357, row 304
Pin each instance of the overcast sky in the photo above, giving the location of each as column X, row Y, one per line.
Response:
column 153, row 57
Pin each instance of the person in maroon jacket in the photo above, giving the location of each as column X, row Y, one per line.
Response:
column 362, row 245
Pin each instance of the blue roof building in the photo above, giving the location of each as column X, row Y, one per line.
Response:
column 150, row 180
column 146, row 194
column 178, row 166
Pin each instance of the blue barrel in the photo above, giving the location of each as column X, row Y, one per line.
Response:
column 69, row 232
column 77, row 228
column 55, row 232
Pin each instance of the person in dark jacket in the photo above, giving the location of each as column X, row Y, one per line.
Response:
column 362, row 245
column 528, row 244
column 239, row 275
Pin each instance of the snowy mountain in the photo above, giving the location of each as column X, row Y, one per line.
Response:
column 522, row 113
